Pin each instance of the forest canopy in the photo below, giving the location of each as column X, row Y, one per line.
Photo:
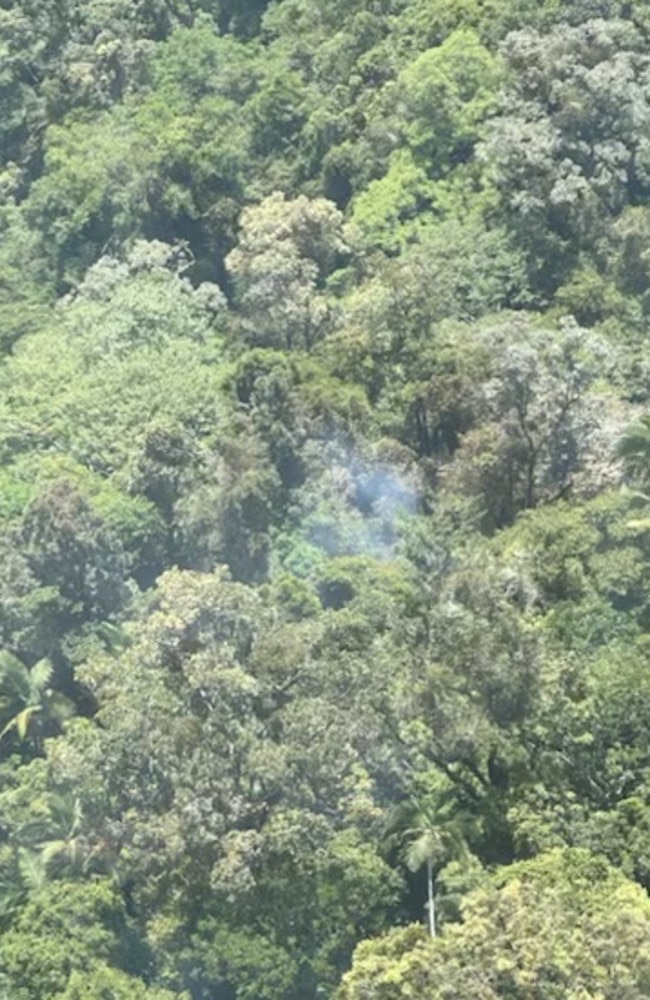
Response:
column 324, row 513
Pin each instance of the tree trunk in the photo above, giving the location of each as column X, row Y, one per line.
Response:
column 430, row 901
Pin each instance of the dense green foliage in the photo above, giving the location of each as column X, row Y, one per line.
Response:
column 324, row 462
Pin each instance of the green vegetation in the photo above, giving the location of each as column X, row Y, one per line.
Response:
column 324, row 514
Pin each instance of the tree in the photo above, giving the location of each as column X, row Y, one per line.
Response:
column 69, row 547
column 427, row 848
column 65, row 931
column 563, row 925
column 634, row 448
column 542, row 420
column 445, row 99
column 103, row 982
column 29, row 708
column 568, row 149
column 285, row 252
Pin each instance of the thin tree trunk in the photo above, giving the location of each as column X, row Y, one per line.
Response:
column 430, row 900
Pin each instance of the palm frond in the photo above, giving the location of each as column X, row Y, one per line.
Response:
column 21, row 721
column 636, row 439
column 40, row 675
column 31, row 868
column 428, row 849
column 14, row 677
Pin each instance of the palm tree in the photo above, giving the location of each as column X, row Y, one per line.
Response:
column 634, row 448
column 63, row 848
column 50, row 845
column 429, row 834
column 26, row 696
column 24, row 876
column 425, row 846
